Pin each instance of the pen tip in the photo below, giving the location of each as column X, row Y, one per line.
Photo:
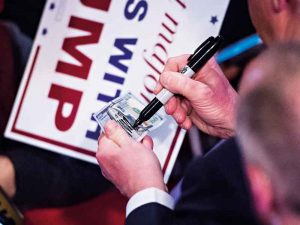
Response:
column 136, row 123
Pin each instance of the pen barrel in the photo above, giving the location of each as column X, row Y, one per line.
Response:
column 150, row 110
column 164, row 95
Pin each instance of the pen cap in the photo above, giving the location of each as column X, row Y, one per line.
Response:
column 204, row 44
column 205, row 53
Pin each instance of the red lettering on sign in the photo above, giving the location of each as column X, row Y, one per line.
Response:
column 70, row 46
column 150, row 79
column 65, row 96
column 159, row 55
column 174, row 22
column 145, row 97
column 182, row 4
column 97, row 4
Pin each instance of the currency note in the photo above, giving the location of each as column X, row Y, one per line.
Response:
column 125, row 110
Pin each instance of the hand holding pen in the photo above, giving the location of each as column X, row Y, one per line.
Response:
column 194, row 63
column 207, row 100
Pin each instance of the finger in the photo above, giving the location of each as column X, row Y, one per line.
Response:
column 148, row 142
column 105, row 149
column 174, row 64
column 180, row 114
column 174, row 102
column 158, row 88
column 171, row 105
column 100, row 136
column 187, row 124
column 178, row 109
column 186, row 105
column 116, row 134
column 105, row 145
column 180, row 84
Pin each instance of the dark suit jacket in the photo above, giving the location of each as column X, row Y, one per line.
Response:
column 214, row 191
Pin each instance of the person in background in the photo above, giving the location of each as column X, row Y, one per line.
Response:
column 268, row 121
column 215, row 189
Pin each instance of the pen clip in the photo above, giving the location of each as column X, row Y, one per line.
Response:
column 205, row 43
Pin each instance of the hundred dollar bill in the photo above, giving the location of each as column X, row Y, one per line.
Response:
column 125, row 110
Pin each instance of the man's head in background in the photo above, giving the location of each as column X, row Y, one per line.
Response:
column 268, row 128
column 276, row 20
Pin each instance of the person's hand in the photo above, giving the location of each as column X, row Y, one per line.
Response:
column 7, row 176
column 208, row 100
column 131, row 166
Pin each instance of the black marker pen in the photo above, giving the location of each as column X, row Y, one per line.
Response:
column 195, row 62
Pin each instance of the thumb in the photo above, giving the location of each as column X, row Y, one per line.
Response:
column 178, row 83
column 148, row 142
column 115, row 133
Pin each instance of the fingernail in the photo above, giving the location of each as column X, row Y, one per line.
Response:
column 155, row 90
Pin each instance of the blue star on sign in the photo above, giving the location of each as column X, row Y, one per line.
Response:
column 44, row 31
column 214, row 20
column 52, row 6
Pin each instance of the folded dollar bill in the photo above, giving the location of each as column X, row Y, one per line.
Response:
column 125, row 110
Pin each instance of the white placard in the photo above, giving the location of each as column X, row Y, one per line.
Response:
column 87, row 52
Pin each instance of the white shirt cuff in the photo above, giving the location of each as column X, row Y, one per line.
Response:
column 149, row 195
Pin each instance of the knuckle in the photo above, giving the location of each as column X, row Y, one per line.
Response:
column 100, row 140
column 114, row 131
column 170, row 106
column 164, row 77
column 179, row 117
column 186, row 83
column 110, row 127
column 100, row 157
column 167, row 108
column 171, row 60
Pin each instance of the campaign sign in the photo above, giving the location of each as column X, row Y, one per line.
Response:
column 88, row 52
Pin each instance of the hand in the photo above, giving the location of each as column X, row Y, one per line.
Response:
column 7, row 176
column 207, row 100
column 131, row 166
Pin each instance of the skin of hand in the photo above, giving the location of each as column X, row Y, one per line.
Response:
column 208, row 100
column 131, row 166
column 7, row 176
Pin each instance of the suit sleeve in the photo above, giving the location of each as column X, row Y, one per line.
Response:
column 215, row 189
column 214, row 192
column 149, row 195
column 150, row 214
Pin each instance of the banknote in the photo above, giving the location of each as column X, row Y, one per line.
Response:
column 125, row 110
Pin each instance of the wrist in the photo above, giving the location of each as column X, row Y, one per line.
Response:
column 159, row 186
column 149, row 195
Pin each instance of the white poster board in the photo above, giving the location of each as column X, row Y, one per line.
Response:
column 88, row 52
